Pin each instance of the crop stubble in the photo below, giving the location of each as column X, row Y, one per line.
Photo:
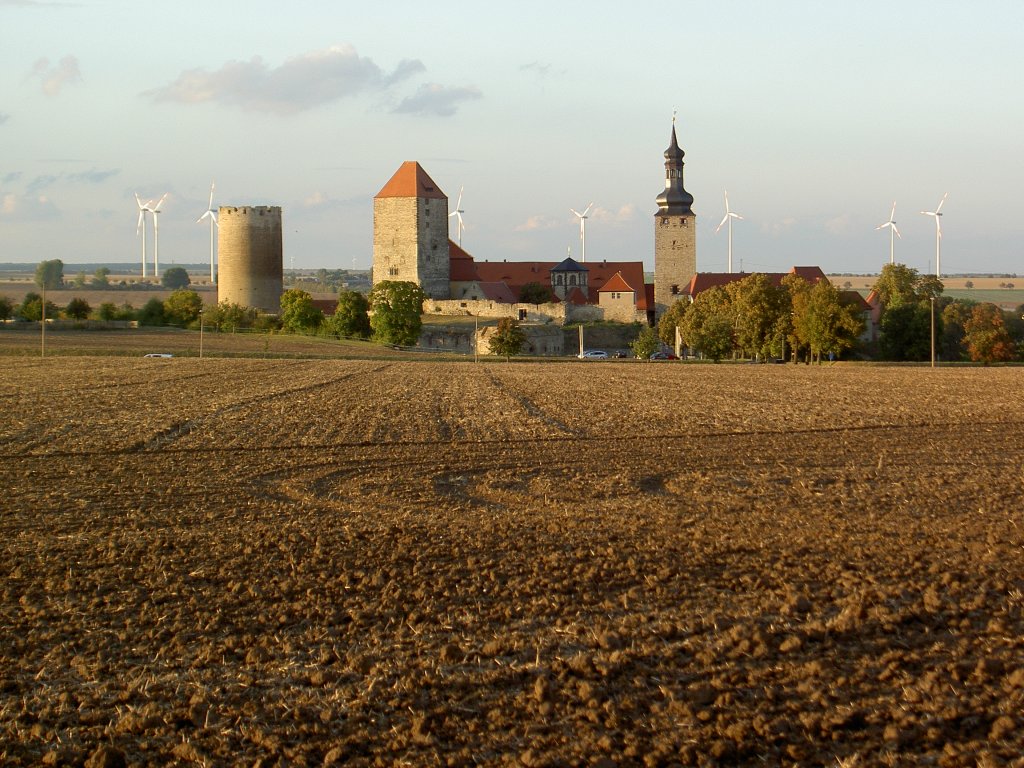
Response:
column 227, row 561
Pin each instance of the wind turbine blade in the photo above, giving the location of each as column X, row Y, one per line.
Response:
column 142, row 216
column 735, row 215
column 209, row 205
column 722, row 223
column 939, row 208
column 162, row 200
column 587, row 209
column 726, row 202
column 892, row 215
column 577, row 213
column 458, row 204
column 893, row 225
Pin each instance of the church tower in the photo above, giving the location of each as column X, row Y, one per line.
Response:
column 675, row 233
column 410, row 232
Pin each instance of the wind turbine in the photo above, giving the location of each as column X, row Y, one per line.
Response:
column 211, row 214
column 155, row 210
column 893, row 233
column 140, row 228
column 457, row 213
column 583, row 230
column 729, row 216
column 938, row 234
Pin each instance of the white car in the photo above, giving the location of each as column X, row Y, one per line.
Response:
column 594, row 354
column 158, row 354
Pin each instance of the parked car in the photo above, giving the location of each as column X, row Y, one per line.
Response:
column 621, row 355
column 594, row 354
column 663, row 356
column 158, row 354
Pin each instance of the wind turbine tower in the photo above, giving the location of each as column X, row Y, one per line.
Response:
column 457, row 213
column 140, row 228
column 155, row 210
column 893, row 233
column 211, row 214
column 583, row 230
column 936, row 214
column 727, row 219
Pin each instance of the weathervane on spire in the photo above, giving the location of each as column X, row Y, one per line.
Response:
column 674, row 117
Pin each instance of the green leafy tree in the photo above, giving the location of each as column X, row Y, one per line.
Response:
column 906, row 331
column 230, row 317
column 986, row 336
column 826, row 324
column 954, row 317
column 182, row 307
column 756, row 304
column 6, row 308
column 152, row 313
column 396, row 308
column 32, row 308
column 646, row 343
column 176, row 278
column 77, row 309
column 535, row 293
column 508, row 338
column 298, row 313
column 897, row 284
column 50, row 274
column 707, row 325
column 351, row 318
column 795, row 303
column 670, row 320
column 100, row 279
column 80, row 279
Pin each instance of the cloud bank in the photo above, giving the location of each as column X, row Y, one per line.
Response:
column 301, row 83
column 56, row 77
column 437, row 100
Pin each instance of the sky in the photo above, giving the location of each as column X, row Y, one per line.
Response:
column 814, row 116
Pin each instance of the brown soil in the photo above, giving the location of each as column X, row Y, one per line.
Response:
column 380, row 563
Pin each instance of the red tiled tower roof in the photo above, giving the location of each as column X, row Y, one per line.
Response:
column 617, row 283
column 410, row 180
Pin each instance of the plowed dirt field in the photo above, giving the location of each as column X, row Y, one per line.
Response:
column 267, row 562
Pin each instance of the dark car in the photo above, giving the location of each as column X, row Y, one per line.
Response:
column 663, row 356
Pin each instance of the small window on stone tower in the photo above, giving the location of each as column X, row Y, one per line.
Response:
column 682, row 222
column 675, row 290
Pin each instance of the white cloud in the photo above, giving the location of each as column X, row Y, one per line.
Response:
column 538, row 223
column 301, row 83
column 780, row 227
column 315, row 200
column 56, row 77
column 624, row 215
column 439, row 100
column 30, row 208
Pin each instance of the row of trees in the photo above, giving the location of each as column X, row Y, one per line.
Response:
column 756, row 318
column 50, row 276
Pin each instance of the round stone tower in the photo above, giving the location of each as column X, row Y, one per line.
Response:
column 251, row 270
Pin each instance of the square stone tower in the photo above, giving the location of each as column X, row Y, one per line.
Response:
column 675, row 233
column 410, row 232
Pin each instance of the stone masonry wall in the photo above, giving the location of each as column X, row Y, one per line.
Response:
column 675, row 257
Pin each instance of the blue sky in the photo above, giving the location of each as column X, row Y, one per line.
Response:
column 815, row 116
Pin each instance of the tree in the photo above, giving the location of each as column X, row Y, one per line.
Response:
column 50, row 275
column 795, row 301
column 351, row 318
column 6, row 308
column 228, row 316
column 99, row 280
column 756, row 304
column 954, row 317
column 535, row 293
column 897, row 284
column 80, row 280
column 32, row 307
column 77, row 309
column 152, row 313
column 969, row 284
column 298, row 313
column 176, row 278
column 987, row 338
column 646, row 343
column 826, row 324
column 396, row 307
column 906, row 331
column 183, row 307
column 508, row 338
column 707, row 325
column 670, row 320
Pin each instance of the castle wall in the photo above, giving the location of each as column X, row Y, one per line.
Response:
column 251, row 258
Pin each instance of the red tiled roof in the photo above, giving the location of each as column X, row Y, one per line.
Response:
column 702, row 281
column 518, row 273
column 617, row 283
column 576, row 297
column 410, row 180
column 463, row 268
column 854, row 297
column 499, row 292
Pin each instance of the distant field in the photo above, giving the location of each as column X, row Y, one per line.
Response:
column 182, row 343
column 985, row 288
